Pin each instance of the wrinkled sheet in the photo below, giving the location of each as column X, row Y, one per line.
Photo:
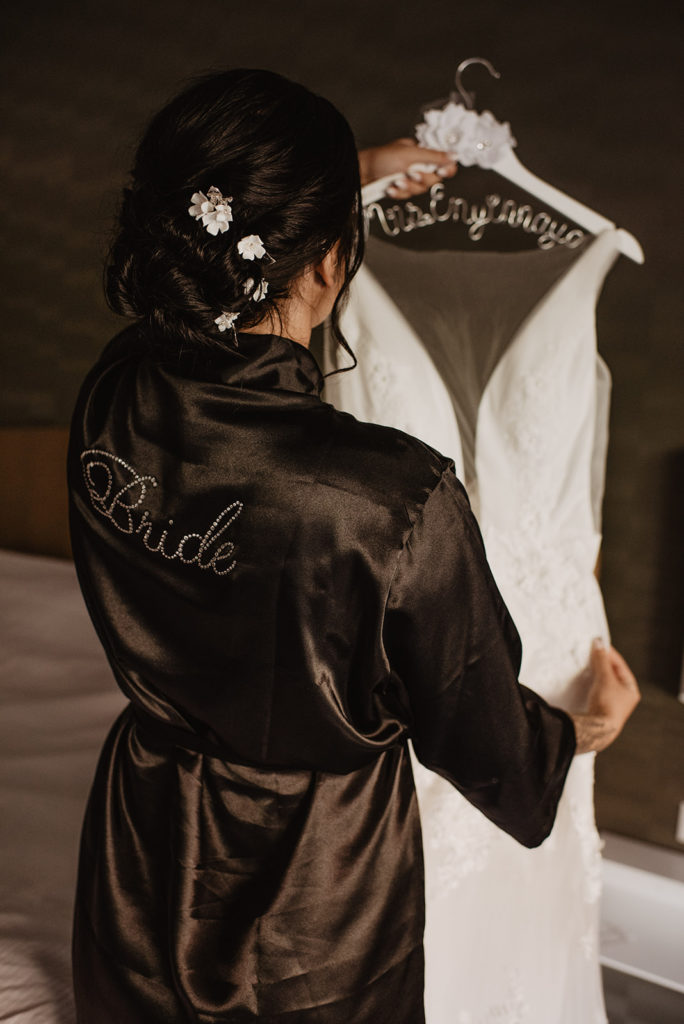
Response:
column 57, row 701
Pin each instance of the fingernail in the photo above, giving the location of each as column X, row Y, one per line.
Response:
column 415, row 175
column 599, row 643
column 393, row 191
column 444, row 172
column 401, row 182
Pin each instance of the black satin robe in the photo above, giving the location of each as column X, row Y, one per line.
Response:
column 286, row 595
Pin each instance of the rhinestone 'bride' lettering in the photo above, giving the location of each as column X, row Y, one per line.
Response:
column 117, row 491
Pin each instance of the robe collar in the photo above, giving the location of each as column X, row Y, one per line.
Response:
column 260, row 362
column 267, row 362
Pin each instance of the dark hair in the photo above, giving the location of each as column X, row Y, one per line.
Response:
column 289, row 160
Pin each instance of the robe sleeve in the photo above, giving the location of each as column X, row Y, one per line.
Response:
column 454, row 656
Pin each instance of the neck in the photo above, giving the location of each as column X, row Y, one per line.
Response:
column 290, row 321
column 264, row 328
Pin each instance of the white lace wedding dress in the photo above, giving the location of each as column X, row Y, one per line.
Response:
column 491, row 358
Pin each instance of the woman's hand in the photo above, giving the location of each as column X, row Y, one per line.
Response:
column 395, row 158
column 613, row 696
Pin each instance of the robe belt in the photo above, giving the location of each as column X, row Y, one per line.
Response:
column 162, row 734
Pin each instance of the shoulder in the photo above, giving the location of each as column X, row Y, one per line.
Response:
column 389, row 464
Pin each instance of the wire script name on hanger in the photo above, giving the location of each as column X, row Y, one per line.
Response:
column 476, row 215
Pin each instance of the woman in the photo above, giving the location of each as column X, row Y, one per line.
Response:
column 274, row 585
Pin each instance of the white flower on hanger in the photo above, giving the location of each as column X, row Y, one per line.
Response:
column 226, row 321
column 487, row 141
column 260, row 290
column 251, row 247
column 442, row 128
column 469, row 137
column 213, row 210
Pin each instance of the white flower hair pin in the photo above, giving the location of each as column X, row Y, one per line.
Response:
column 216, row 214
column 251, row 247
column 213, row 209
column 258, row 293
column 226, row 321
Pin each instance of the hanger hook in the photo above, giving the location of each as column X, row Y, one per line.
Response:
column 469, row 97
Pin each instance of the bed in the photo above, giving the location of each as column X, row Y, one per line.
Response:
column 57, row 700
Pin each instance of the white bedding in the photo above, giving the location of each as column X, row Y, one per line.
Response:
column 57, row 701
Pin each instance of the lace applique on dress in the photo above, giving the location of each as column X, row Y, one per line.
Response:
column 456, row 837
column 514, row 1009
column 459, row 838
column 582, row 817
column 388, row 388
column 533, row 572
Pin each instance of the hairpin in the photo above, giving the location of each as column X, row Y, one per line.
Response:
column 213, row 210
column 225, row 321
column 216, row 214
column 251, row 247
column 259, row 292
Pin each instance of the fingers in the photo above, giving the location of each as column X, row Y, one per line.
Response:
column 600, row 660
column 422, row 169
column 408, row 186
column 424, row 155
column 402, row 188
column 431, row 174
column 614, row 692
column 413, row 168
column 415, row 182
column 433, row 156
column 606, row 661
column 439, row 165
column 622, row 670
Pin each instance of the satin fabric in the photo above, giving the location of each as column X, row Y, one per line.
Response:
column 286, row 596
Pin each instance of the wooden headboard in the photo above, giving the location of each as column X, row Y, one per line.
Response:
column 33, row 490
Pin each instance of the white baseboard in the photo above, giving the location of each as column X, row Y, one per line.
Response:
column 642, row 911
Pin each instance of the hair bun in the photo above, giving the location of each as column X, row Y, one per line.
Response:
column 240, row 184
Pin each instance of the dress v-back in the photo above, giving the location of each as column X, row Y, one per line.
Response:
column 490, row 357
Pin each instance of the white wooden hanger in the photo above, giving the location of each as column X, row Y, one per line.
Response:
column 510, row 167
